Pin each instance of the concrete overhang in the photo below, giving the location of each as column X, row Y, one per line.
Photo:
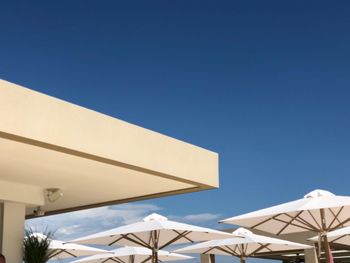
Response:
column 95, row 159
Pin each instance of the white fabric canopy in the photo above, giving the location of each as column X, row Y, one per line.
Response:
column 246, row 244
column 319, row 211
column 339, row 236
column 131, row 255
column 138, row 234
column 66, row 250
column 154, row 232
column 300, row 215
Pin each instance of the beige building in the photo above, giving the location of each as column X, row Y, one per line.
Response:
column 49, row 146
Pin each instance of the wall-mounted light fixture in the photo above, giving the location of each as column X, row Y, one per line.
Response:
column 53, row 194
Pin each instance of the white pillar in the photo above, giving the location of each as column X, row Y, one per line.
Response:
column 310, row 255
column 207, row 258
column 12, row 220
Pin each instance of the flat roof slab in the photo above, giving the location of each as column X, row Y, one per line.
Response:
column 95, row 159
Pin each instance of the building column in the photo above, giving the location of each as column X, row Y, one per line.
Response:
column 12, row 220
column 310, row 255
column 207, row 258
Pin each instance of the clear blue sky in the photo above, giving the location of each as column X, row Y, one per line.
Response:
column 266, row 84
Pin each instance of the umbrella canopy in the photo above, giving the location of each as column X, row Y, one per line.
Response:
column 66, row 250
column 154, row 232
column 339, row 236
column 246, row 244
column 131, row 255
column 319, row 211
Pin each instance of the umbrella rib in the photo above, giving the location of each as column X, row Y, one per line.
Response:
column 262, row 246
column 150, row 257
column 275, row 217
column 150, row 238
column 103, row 261
column 52, row 252
column 236, row 248
column 264, row 221
column 175, row 239
column 116, row 259
column 312, row 216
column 291, row 220
column 243, row 249
column 340, row 237
column 259, row 249
column 139, row 240
column 340, row 224
column 232, row 251
column 283, row 221
column 303, row 221
column 177, row 232
column 158, row 235
column 210, row 249
column 239, row 248
column 71, row 254
column 56, row 253
column 335, row 216
column 227, row 251
column 115, row 241
column 267, row 247
column 246, row 249
column 158, row 238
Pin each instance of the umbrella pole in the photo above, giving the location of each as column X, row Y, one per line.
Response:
column 242, row 257
column 156, row 258
column 325, row 243
column 154, row 255
column 327, row 250
column 319, row 247
column 155, row 247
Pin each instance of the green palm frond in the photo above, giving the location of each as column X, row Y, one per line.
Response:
column 36, row 248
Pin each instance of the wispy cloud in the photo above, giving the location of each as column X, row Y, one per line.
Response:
column 80, row 223
column 76, row 224
column 205, row 219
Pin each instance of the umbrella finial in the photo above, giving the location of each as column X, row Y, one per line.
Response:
column 242, row 232
column 318, row 193
column 155, row 217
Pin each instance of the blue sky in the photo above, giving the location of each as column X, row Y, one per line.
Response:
column 263, row 83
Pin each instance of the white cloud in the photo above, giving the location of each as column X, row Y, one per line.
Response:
column 71, row 225
column 202, row 218
column 69, row 230
column 76, row 224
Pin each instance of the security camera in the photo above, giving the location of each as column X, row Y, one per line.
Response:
column 39, row 211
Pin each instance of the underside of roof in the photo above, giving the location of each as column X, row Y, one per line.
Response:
column 93, row 158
